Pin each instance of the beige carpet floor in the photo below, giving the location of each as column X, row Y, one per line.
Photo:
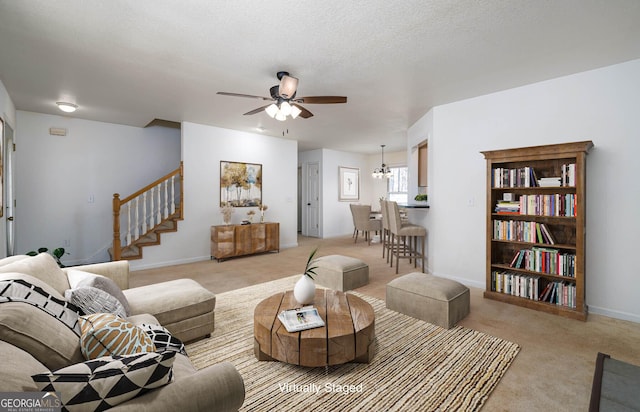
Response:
column 552, row 372
column 416, row 366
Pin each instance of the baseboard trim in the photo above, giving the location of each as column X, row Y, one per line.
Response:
column 616, row 314
column 140, row 265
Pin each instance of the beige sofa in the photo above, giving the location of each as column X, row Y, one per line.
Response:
column 33, row 342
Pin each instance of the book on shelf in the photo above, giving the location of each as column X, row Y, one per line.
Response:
column 295, row 320
column 568, row 177
column 550, row 182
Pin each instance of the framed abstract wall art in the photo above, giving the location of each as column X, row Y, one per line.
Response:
column 240, row 184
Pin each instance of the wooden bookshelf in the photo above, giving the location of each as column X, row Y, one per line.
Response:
column 537, row 283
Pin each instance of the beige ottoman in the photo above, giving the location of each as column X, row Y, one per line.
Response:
column 182, row 306
column 341, row 272
column 433, row 299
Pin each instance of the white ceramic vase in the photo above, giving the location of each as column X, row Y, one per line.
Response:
column 305, row 290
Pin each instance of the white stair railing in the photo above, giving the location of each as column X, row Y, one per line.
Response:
column 142, row 217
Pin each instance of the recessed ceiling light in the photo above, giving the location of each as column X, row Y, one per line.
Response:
column 67, row 107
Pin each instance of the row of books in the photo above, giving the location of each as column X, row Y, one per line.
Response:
column 522, row 231
column 521, row 177
column 526, row 177
column 545, row 260
column 540, row 205
column 549, row 205
column 534, row 288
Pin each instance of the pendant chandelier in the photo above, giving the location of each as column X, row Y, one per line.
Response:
column 382, row 172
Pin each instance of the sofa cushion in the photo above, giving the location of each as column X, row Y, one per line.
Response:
column 102, row 383
column 19, row 290
column 162, row 339
column 78, row 278
column 105, row 334
column 94, row 300
column 43, row 267
column 34, row 331
column 11, row 259
column 17, row 368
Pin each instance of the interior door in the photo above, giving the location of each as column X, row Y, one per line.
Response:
column 7, row 184
column 313, row 200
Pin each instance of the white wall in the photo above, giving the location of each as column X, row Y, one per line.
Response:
column 599, row 105
column 55, row 176
column 203, row 148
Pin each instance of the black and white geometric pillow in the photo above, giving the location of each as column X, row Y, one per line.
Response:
column 102, row 383
column 163, row 339
column 19, row 290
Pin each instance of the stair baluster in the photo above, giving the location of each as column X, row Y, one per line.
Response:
column 128, row 242
column 144, row 212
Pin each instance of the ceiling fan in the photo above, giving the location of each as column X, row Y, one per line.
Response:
column 285, row 103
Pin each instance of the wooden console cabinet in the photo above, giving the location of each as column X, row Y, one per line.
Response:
column 239, row 240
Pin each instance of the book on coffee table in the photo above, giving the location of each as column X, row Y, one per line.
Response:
column 295, row 320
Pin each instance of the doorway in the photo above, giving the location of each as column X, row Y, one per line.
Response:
column 7, row 184
column 312, row 200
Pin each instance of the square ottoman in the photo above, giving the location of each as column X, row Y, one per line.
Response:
column 341, row 272
column 433, row 299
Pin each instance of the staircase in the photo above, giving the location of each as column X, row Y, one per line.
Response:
column 141, row 218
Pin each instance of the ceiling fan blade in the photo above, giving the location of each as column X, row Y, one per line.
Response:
column 321, row 99
column 245, row 95
column 258, row 110
column 304, row 113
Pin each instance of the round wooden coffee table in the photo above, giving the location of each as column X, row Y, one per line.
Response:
column 347, row 336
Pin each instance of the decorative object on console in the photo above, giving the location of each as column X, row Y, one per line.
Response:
column 305, row 289
column 250, row 215
column 382, row 172
column 422, row 197
column 263, row 208
column 240, row 184
column 226, row 211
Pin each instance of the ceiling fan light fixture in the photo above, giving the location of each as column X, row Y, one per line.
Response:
column 67, row 107
column 285, row 108
column 272, row 110
column 280, row 116
column 288, row 86
column 295, row 112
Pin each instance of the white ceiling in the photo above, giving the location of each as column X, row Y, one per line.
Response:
column 129, row 62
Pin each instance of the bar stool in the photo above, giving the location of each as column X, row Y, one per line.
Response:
column 385, row 235
column 404, row 238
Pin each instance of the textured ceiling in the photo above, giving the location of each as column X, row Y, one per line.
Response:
column 131, row 61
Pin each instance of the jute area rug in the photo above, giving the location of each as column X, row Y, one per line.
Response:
column 416, row 367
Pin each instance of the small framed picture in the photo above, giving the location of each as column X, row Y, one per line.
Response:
column 349, row 184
